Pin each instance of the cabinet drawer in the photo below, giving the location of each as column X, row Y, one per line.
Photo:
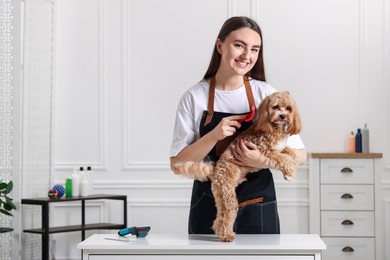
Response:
column 347, row 223
column 347, row 197
column 348, row 248
column 347, row 171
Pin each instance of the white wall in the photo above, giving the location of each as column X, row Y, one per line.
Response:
column 122, row 65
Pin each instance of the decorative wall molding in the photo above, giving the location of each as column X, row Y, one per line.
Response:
column 386, row 80
column 304, row 184
column 386, row 216
column 70, row 166
column 180, row 184
column 103, row 83
column 125, row 82
column 254, row 10
column 362, row 69
column 157, row 203
column 251, row 12
column 102, row 96
column 146, row 166
column 186, row 203
column 386, row 185
column 139, row 184
column 128, row 165
column 231, row 7
column 95, row 204
column 160, row 186
column 125, row 87
column 153, row 166
column 293, row 203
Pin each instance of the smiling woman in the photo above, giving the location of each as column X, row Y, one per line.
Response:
column 243, row 34
column 239, row 51
column 212, row 113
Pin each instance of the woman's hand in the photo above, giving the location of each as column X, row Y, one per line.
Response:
column 199, row 149
column 247, row 154
column 227, row 127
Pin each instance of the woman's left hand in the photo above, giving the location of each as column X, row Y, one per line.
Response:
column 247, row 154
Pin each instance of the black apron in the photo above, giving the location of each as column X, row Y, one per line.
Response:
column 258, row 213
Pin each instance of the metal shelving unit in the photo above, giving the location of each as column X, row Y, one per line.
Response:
column 46, row 230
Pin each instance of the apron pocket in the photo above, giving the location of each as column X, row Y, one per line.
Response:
column 259, row 218
column 202, row 215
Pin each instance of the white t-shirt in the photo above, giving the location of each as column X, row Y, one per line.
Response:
column 194, row 101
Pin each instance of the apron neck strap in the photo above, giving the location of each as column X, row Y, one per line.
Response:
column 249, row 93
column 210, row 106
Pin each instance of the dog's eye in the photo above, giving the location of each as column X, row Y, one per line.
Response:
column 275, row 107
column 288, row 108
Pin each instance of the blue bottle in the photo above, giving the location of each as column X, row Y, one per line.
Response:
column 358, row 138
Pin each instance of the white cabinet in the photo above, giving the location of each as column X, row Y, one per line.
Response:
column 345, row 204
column 207, row 247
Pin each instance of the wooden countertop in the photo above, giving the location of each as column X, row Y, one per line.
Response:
column 346, row 155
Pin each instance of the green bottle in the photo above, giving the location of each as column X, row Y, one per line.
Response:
column 68, row 187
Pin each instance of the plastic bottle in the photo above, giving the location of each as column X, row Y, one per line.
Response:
column 68, row 187
column 90, row 176
column 358, row 139
column 365, row 140
column 84, row 186
column 75, row 184
column 351, row 147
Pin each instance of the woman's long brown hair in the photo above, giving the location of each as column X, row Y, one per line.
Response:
column 232, row 24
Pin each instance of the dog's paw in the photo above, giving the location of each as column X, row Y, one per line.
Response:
column 222, row 231
column 288, row 177
column 288, row 174
column 225, row 235
column 228, row 237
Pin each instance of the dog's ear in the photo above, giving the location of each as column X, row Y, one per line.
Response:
column 295, row 126
column 262, row 121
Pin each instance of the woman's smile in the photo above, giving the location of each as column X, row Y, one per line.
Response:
column 242, row 64
column 239, row 51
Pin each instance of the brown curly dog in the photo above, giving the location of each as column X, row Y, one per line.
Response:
column 276, row 119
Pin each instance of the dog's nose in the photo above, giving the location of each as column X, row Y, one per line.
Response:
column 282, row 116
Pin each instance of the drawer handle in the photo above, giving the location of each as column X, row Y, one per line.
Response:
column 348, row 249
column 347, row 222
column 347, row 196
column 346, row 170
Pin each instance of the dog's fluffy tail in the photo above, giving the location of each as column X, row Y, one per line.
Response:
column 196, row 170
